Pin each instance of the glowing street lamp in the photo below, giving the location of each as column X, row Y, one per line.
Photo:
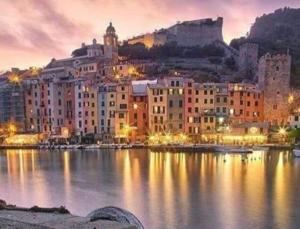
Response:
column 291, row 99
column 282, row 131
column 12, row 129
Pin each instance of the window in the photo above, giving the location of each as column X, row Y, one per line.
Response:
column 123, row 106
column 171, row 103
column 180, row 103
column 123, row 96
column 121, row 115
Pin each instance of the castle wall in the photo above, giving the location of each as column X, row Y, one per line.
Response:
column 189, row 33
column 197, row 33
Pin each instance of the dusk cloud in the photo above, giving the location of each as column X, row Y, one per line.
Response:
column 34, row 31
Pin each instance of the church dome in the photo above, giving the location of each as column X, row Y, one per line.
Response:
column 110, row 29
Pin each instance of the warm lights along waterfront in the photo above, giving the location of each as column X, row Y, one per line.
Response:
column 164, row 190
column 143, row 114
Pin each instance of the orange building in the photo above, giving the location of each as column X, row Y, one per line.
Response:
column 138, row 111
column 245, row 103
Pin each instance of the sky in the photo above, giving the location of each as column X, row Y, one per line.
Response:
column 32, row 32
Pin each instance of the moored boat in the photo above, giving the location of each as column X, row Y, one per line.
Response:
column 296, row 152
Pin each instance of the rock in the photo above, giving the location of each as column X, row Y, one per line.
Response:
column 61, row 210
column 115, row 214
column 2, row 204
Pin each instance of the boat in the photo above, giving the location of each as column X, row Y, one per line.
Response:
column 296, row 152
column 232, row 149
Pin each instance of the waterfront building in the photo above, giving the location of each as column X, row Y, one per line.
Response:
column 138, row 111
column 245, row 103
column 32, row 104
column 191, row 110
column 122, row 124
column 107, row 111
column 274, row 80
column 294, row 120
column 207, row 106
column 12, row 105
column 86, row 109
column 157, row 105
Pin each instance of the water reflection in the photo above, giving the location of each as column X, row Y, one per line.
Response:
column 165, row 190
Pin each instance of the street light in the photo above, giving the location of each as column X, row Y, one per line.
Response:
column 290, row 99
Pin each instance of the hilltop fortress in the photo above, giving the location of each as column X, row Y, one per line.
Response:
column 188, row 33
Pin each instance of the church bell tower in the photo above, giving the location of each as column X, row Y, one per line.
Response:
column 111, row 43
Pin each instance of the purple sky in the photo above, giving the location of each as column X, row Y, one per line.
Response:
column 34, row 31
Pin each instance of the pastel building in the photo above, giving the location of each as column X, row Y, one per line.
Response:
column 107, row 104
column 86, row 109
column 32, row 104
column 166, row 106
column 122, row 123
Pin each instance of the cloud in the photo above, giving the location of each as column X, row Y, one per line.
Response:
column 34, row 31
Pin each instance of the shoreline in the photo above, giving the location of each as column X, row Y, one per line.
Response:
column 185, row 148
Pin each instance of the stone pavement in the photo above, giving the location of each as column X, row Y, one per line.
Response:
column 15, row 219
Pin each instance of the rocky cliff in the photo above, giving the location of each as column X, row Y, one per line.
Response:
column 277, row 32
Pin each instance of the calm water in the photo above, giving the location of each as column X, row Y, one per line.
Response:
column 164, row 190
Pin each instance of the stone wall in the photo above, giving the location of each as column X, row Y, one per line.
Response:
column 189, row 33
column 274, row 79
column 248, row 57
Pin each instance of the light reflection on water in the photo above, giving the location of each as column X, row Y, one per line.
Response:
column 165, row 190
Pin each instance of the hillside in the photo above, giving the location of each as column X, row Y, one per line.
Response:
column 277, row 32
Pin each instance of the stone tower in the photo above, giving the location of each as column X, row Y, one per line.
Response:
column 274, row 79
column 111, row 43
column 248, row 58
